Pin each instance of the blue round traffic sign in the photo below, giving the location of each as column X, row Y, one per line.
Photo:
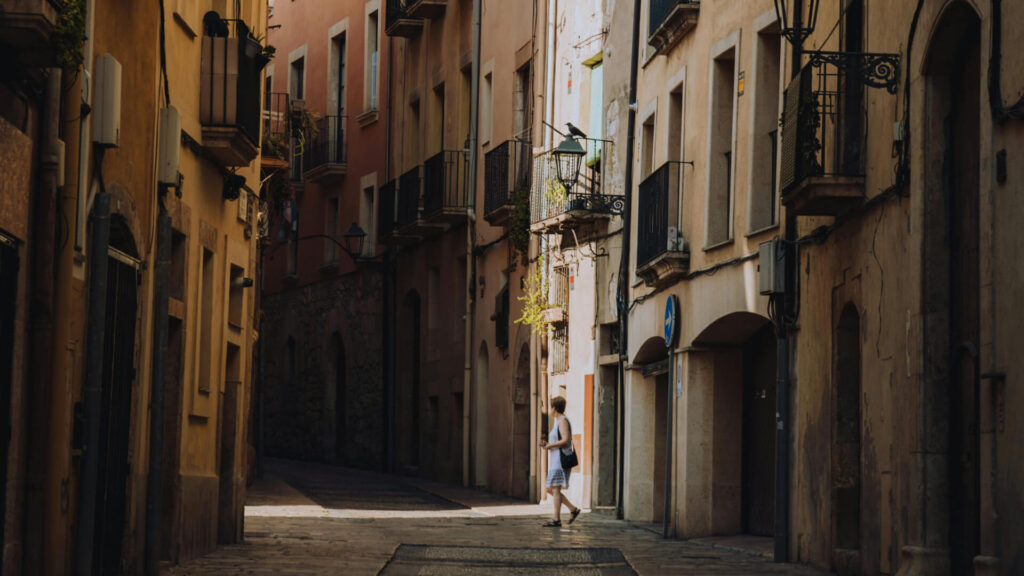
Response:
column 671, row 319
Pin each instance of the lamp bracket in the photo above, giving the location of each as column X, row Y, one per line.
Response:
column 875, row 69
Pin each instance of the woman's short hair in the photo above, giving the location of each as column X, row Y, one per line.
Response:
column 558, row 403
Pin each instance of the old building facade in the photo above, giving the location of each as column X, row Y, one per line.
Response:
column 110, row 329
column 322, row 361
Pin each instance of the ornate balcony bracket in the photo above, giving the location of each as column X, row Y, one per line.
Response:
column 878, row 70
column 597, row 203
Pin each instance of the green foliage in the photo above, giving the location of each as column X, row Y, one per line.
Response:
column 535, row 300
column 519, row 225
column 68, row 35
column 554, row 194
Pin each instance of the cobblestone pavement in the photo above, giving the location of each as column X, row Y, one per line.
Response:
column 317, row 519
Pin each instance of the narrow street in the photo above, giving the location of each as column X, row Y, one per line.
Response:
column 316, row 519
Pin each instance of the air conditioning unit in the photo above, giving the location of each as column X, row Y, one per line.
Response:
column 170, row 147
column 771, row 266
column 106, row 110
column 675, row 240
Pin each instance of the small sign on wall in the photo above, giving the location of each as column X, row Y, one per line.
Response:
column 679, row 375
column 740, row 81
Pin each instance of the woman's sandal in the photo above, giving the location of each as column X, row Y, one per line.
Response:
column 553, row 523
column 575, row 513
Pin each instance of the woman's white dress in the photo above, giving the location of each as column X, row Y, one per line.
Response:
column 556, row 475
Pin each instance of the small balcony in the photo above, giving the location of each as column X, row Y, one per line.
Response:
column 399, row 21
column 229, row 91
column 444, row 188
column 670, row 20
column 274, row 147
column 553, row 210
column 328, row 151
column 821, row 172
column 426, row 8
column 662, row 254
column 508, row 172
column 26, row 26
column 411, row 224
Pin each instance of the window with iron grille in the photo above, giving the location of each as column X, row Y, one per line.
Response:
column 560, row 348
column 560, row 288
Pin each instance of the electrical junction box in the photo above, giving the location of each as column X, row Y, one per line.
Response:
column 771, row 265
column 170, row 147
column 106, row 110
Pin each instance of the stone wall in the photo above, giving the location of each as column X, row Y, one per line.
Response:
column 299, row 403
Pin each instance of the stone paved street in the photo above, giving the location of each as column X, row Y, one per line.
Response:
column 316, row 519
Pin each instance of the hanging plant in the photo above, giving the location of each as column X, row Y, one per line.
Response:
column 519, row 226
column 68, row 35
column 535, row 300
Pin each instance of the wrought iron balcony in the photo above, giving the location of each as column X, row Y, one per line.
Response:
column 411, row 224
column 507, row 173
column 444, row 187
column 386, row 201
column 399, row 21
column 662, row 254
column 670, row 20
column 328, row 151
column 553, row 210
column 26, row 26
column 824, row 130
column 426, row 8
column 229, row 90
column 276, row 132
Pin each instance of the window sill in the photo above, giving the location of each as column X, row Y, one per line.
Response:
column 718, row 245
column 368, row 117
column 762, row 230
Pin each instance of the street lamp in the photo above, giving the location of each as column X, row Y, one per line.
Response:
column 796, row 34
column 568, row 158
column 354, row 238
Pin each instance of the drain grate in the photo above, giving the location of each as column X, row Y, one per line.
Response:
column 459, row 560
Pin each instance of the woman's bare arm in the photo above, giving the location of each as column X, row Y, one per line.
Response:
column 563, row 429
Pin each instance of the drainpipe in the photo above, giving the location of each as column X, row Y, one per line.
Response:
column 44, row 250
column 549, row 80
column 474, row 126
column 783, row 418
column 624, row 257
column 95, row 334
column 388, row 281
column 154, row 484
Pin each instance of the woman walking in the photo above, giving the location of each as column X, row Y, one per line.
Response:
column 559, row 442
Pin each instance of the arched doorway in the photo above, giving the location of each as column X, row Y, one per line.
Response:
column 520, row 469
column 337, row 384
column 951, row 275
column 650, row 407
column 737, row 365
column 846, row 445
column 113, row 453
column 481, row 407
column 408, row 374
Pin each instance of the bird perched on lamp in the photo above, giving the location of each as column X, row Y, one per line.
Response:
column 576, row 132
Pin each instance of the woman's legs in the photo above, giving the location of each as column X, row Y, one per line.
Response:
column 556, row 493
column 565, row 501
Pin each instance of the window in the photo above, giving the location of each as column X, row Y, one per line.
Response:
column 560, row 349
column 522, row 117
column 412, row 143
column 366, row 220
column 341, row 50
column 437, row 121
column 297, row 79
column 595, row 124
column 486, row 102
column 293, row 250
column 647, row 148
column 721, row 158
column 464, row 104
column 235, row 296
column 372, row 49
column 331, row 229
column 763, row 193
column 179, row 245
column 268, row 89
column 205, row 321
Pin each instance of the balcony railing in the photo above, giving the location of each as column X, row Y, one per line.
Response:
column 328, row 151
column 824, row 135
column 275, row 128
column 409, row 197
column 386, row 211
column 229, row 102
column 669, row 21
column 507, row 172
column 551, row 206
column 399, row 22
column 661, row 251
column 444, row 186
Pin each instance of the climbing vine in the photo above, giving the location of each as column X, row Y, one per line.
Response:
column 68, row 35
column 535, row 299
